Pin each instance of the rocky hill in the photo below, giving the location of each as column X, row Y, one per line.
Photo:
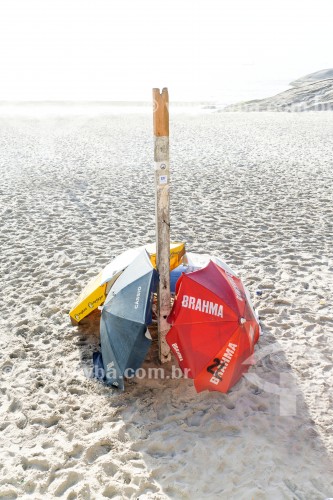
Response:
column 312, row 92
column 324, row 74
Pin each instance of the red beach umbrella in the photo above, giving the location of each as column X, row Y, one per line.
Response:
column 214, row 327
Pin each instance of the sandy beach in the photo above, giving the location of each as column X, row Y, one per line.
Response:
column 76, row 190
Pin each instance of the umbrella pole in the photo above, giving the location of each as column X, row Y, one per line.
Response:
column 162, row 198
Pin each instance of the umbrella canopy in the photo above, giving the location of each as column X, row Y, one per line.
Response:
column 125, row 316
column 214, row 327
column 95, row 292
column 193, row 262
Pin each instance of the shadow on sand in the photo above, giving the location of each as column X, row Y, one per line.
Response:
column 258, row 441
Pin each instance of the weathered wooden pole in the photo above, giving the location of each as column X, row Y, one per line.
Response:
column 162, row 197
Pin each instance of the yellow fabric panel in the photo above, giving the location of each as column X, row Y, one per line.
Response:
column 92, row 296
column 177, row 251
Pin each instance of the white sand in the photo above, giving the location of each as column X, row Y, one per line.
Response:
column 75, row 191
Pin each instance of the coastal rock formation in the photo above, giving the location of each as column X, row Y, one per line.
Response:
column 324, row 74
column 310, row 93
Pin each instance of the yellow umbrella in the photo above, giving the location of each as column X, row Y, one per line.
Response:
column 95, row 292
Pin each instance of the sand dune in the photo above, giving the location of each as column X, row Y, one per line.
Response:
column 255, row 189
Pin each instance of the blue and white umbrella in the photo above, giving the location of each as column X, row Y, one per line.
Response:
column 126, row 313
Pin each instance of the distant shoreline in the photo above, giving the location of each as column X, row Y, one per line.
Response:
column 102, row 103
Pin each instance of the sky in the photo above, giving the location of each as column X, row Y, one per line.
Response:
column 205, row 50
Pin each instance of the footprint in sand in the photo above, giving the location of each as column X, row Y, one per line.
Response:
column 38, row 463
column 64, row 482
column 96, row 451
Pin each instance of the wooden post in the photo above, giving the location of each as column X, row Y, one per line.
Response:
column 162, row 174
